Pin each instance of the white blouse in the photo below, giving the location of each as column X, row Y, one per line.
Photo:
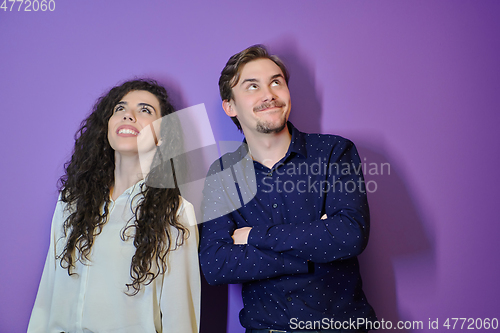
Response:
column 94, row 299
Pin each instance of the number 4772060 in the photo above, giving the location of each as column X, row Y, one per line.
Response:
column 28, row 5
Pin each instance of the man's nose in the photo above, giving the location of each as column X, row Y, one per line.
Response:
column 268, row 94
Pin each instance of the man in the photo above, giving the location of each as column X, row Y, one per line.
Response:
column 290, row 229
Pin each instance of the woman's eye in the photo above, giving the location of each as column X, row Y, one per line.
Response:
column 252, row 87
column 275, row 83
column 146, row 110
column 119, row 108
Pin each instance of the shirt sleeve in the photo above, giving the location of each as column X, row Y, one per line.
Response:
column 223, row 262
column 41, row 310
column 344, row 232
column 181, row 290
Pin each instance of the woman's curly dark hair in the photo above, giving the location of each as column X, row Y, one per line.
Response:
column 88, row 180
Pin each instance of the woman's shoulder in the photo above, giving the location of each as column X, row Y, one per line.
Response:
column 186, row 213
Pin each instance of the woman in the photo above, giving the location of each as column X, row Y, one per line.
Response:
column 123, row 248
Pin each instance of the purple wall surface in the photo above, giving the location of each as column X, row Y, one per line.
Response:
column 414, row 84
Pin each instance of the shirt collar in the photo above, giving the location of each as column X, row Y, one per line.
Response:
column 298, row 143
column 297, row 146
column 134, row 189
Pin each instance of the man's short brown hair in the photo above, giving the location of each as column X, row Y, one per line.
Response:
column 230, row 75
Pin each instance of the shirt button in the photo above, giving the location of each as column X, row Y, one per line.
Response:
column 289, row 299
column 275, row 205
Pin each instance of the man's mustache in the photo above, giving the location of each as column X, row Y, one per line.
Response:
column 272, row 104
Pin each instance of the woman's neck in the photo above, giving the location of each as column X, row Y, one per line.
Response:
column 127, row 173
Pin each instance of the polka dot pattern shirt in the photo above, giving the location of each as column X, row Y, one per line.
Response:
column 309, row 217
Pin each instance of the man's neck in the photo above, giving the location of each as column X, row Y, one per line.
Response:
column 268, row 149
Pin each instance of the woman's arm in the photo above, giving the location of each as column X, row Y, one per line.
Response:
column 181, row 290
column 41, row 310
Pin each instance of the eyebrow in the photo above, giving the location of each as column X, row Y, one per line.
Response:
column 255, row 80
column 277, row 76
column 248, row 80
column 140, row 104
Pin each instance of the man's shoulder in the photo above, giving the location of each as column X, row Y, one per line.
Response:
column 326, row 137
column 324, row 141
column 228, row 159
column 316, row 138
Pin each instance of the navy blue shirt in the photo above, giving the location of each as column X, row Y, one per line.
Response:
column 309, row 217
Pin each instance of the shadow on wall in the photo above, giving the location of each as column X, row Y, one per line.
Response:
column 400, row 252
column 397, row 235
column 306, row 97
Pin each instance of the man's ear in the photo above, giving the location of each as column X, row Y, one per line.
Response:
column 228, row 108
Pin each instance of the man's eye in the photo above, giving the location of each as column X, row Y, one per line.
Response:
column 252, row 87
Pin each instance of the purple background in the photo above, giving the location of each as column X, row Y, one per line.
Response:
column 413, row 83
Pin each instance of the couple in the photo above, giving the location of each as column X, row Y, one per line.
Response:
column 123, row 254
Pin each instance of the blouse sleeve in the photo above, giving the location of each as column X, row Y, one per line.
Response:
column 41, row 310
column 181, row 290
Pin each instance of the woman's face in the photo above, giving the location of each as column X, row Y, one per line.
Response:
column 131, row 120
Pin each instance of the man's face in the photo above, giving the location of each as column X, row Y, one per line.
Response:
column 261, row 100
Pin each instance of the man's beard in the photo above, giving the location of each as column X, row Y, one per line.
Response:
column 268, row 127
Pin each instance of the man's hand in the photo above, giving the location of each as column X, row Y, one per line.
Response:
column 240, row 236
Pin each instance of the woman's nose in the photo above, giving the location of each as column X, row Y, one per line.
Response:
column 129, row 116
